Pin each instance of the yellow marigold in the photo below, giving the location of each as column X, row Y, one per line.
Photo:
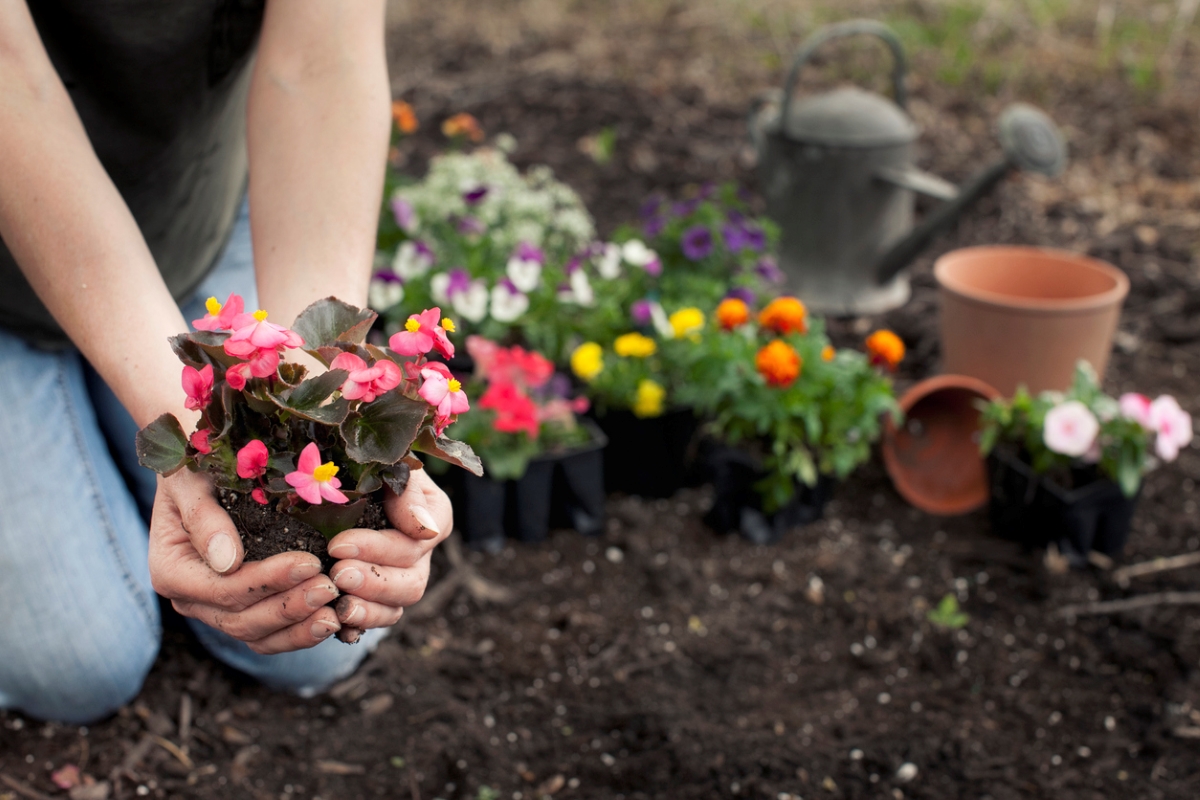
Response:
column 779, row 363
column 784, row 315
column 732, row 312
column 649, row 399
column 404, row 117
column 827, row 353
column 587, row 360
column 686, row 321
column 634, row 345
column 463, row 124
column 885, row 348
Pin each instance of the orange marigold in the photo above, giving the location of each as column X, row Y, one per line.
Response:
column 732, row 312
column 885, row 348
column 827, row 353
column 779, row 363
column 784, row 315
column 404, row 117
column 463, row 124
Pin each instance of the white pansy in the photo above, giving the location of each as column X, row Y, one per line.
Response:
column 411, row 261
column 439, row 286
column 636, row 253
column 382, row 294
column 579, row 290
column 662, row 323
column 507, row 305
column 471, row 303
column 609, row 263
column 525, row 274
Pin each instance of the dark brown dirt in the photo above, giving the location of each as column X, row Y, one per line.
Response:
column 661, row 661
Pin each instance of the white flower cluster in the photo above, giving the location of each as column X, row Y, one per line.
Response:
column 533, row 208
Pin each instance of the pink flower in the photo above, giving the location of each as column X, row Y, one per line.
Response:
column 446, row 395
column 366, row 383
column 1173, row 426
column 197, row 384
column 220, row 317
column 315, row 481
column 422, row 333
column 259, row 496
column 1136, row 407
column 254, row 330
column 252, row 459
column 237, row 375
column 1070, row 429
column 199, row 440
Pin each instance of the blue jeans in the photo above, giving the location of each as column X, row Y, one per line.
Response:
column 79, row 621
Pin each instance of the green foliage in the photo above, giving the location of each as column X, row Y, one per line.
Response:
column 947, row 615
column 162, row 445
column 1019, row 423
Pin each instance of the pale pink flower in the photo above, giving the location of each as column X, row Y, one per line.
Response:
column 315, row 481
column 1173, row 426
column 423, row 332
column 254, row 330
column 446, row 395
column 1070, row 429
column 1136, row 407
column 197, row 385
column 220, row 317
column 366, row 383
column 252, row 459
column 199, row 440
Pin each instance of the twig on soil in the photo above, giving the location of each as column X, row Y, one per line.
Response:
column 135, row 756
column 1131, row 604
column 173, row 749
column 462, row 575
column 1161, row 564
column 22, row 789
column 185, row 720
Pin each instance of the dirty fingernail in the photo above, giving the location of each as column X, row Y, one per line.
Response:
column 348, row 579
column 302, row 572
column 425, row 519
column 221, row 552
column 319, row 596
column 322, row 629
column 344, row 550
column 356, row 615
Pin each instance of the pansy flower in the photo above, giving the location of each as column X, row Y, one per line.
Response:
column 508, row 301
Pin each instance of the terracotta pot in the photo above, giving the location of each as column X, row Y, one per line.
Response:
column 1025, row 315
column 933, row 458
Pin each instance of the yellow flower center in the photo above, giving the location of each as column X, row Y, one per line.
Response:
column 454, row 385
column 213, row 306
column 448, row 325
column 325, row 472
column 260, row 315
column 412, row 326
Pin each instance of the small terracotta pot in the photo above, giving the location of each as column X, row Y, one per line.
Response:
column 933, row 458
column 1025, row 315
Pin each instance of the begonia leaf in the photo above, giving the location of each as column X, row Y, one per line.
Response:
column 330, row 320
column 369, row 482
column 396, row 476
column 202, row 348
column 383, row 430
column 306, row 400
column 331, row 518
column 162, row 445
column 291, row 373
column 448, row 450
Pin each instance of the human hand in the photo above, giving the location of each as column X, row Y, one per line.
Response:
column 382, row 572
column 276, row 605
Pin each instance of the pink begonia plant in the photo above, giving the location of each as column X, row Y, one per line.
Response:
column 422, row 333
column 1070, row 429
column 366, row 382
column 445, row 394
column 197, row 385
column 199, row 440
column 220, row 317
column 315, row 481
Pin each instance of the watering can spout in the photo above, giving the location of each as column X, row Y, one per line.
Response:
column 1031, row 142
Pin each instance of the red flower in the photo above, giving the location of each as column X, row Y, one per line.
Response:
column 515, row 411
column 259, row 496
column 252, row 459
column 199, row 440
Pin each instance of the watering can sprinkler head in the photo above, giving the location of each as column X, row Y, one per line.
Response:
column 1031, row 141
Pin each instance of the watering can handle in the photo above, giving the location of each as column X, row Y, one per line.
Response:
column 853, row 27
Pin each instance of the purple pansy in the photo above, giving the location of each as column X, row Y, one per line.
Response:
column 769, row 271
column 740, row 236
column 651, row 207
column 640, row 311
column 697, row 242
column 653, row 226
column 685, row 208
column 743, row 293
column 469, row 226
column 406, row 216
column 528, row 252
column 475, row 196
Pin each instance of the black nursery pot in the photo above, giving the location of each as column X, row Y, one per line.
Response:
column 563, row 489
column 737, row 505
column 647, row 456
column 1035, row 511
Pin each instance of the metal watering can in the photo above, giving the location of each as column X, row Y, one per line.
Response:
column 838, row 175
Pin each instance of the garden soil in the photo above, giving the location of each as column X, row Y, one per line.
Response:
column 662, row 661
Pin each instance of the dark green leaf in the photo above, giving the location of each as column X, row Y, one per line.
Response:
column 330, row 320
column 331, row 518
column 201, row 348
column 162, row 445
column 448, row 450
column 396, row 477
column 383, row 430
column 305, row 400
column 369, row 482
